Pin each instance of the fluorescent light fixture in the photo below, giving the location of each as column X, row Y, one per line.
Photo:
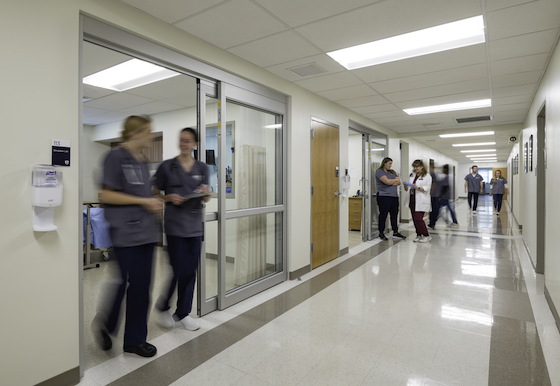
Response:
column 466, row 134
column 473, row 144
column 484, row 159
column 480, row 155
column 444, row 37
column 449, row 107
column 276, row 126
column 380, row 149
column 477, row 151
column 127, row 75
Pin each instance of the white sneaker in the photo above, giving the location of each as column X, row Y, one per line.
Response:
column 425, row 239
column 190, row 323
column 165, row 319
column 453, row 225
column 417, row 239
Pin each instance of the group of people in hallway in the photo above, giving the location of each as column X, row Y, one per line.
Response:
column 428, row 192
column 132, row 201
column 474, row 185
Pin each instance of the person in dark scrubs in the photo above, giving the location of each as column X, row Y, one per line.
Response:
column 387, row 181
column 474, row 186
column 175, row 180
column 130, row 210
column 497, row 190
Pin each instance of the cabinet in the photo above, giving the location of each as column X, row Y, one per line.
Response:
column 355, row 213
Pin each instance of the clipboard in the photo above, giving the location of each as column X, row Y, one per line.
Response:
column 195, row 195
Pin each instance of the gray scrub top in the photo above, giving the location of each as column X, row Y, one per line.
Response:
column 473, row 182
column 382, row 188
column 444, row 188
column 129, row 225
column 498, row 186
column 183, row 220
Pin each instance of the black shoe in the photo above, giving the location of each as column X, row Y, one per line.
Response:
column 432, row 226
column 144, row 350
column 397, row 235
column 103, row 339
column 382, row 237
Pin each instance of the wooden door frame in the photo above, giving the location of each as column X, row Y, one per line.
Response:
column 324, row 122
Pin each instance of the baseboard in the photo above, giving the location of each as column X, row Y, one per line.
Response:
column 343, row 251
column 552, row 307
column 529, row 254
column 213, row 256
column 300, row 272
column 69, row 378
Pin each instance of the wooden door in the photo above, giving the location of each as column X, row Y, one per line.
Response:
column 324, row 199
column 504, row 174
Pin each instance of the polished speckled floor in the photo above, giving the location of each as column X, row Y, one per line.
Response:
column 464, row 309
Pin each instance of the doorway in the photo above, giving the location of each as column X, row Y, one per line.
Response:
column 540, row 170
column 324, row 192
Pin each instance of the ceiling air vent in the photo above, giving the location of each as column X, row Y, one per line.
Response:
column 308, row 69
column 473, row 119
column 432, row 124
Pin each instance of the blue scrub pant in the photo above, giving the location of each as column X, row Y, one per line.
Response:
column 184, row 253
column 435, row 212
column 444, row 202
column 498, row 201
column 135, row 265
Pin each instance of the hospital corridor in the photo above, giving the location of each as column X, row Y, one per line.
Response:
column 464, row 309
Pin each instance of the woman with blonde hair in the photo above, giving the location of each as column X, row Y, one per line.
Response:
column 419, row 200
column 130, row 210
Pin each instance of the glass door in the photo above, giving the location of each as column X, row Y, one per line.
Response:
column 245, row 221
column 376, row 155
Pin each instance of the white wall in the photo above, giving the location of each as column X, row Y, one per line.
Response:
column 515, row 197
column 40, row 277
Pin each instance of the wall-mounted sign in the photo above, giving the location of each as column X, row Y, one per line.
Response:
column 60, row 152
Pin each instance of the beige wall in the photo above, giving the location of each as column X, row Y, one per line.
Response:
column 40, row 276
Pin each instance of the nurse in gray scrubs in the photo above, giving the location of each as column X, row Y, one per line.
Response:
column 497, row 190
column 176, row 179
column 130, row 210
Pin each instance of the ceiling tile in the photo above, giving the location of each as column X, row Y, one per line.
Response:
column 523, row 45
column 512, row 107
column 453, row 75
column 366, row 101
column 440, row 61
column 522, row 19
column 117, row 102
column 494, row 5
column 97, row 58
column 232, row 23
column 514, row 90
column 516, row 79
column 297, row 12
column 443, row 90
column 527, row 98
column 440, row 100
column 108, row 117
column 348, row 93
column 279, row 48
column 89, row 112
column 322, row 60
column 516, row 65
column 96, row 92
column 408, row 129
column 171, row 11
column 388, row 114
column 375, row 109
column 385, row 19
column 329, row 82
column 152, row 108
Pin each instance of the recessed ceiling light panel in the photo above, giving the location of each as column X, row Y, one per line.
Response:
column 449, row 107
column 444, row 37
column 473, row 144
column 128, row 75
column 477, row 151
column 467, row 134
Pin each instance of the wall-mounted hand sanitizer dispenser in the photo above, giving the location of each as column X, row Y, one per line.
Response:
column 46, row 193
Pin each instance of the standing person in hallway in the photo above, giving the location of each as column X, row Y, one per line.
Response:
column 474, row 186
column 435, row 193
column 446, row 201
column 177, row 178
column 419, row 199
column 387, row 181
column 498, row 188
column 130, row 210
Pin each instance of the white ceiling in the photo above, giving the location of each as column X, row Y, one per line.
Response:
column 281, row 35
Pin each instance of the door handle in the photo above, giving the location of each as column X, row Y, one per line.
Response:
column 336, row 193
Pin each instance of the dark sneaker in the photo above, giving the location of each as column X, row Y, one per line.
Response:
column 382, row 237
column 397, row 235
column 144, row 350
